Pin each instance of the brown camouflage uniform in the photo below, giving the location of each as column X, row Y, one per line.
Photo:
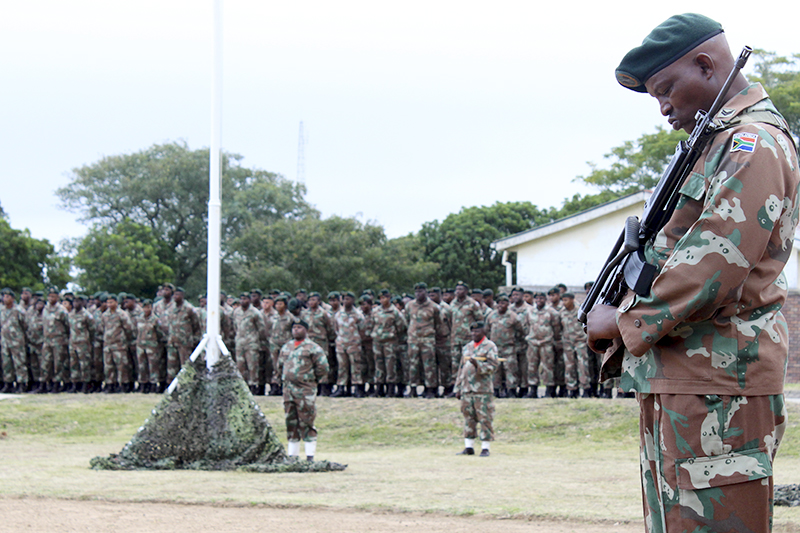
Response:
column 81, row 337
column 503, row 330
column 13, row 339
column 474, row 385
column 55, row 348
column 301, row 365
column 116, row 329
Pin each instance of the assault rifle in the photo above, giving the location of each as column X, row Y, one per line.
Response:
column 626, row 267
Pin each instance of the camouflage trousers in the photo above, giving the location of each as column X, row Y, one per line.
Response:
column 34, row 360
column 274, row 352
column 80, row 362
column 300, row 411
column 540, row 365
column 559, row 377
column 247, row 363
column 569, row 363
column 177, row 354
column 117, row 365
column 507, row 372
column 367, row 362
column 14, row 364
column 456, row 352
column 584, row 364
column 151, row 364
column 330, row 355
column 422, row 364
column 265, row 369
column 385, row 361
column 478, row 409
column 402, row 358
column 55, row 361
column 444, row 362
column 349, row 362
column 706, row 461
column 521, row 349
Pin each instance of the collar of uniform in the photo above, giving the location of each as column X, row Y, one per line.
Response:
column 753, row 94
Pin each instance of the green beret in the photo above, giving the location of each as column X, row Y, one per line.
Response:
column 668, row 42
column 502, row 297
column 179, row 289
column 554, row 290
column 488, row 292
column 477, row 291
column 52, row 290
column 40, row 294
column 396, row 299
column 421, row 285
column 385, row 292
column 462, row 284
column 81, row 297
column 169, row 286
column 256, row 291
column 528, row 291
column 333, row 294
column 147, row 301
column 301, row 322
column 301, row 291
column 449, row 290
column 112, row 297
column 26, row 289
column 6, row 290
column 315, row 293
column 477, row 325
column 293, row 304
column 280, row 298
column 568, row 295
column 435, row 290
column 349, row 293
column 245, row 295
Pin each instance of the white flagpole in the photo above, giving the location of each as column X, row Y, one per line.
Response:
column 214, row 202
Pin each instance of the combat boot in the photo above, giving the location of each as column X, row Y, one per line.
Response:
column 587, row 393
column 429, row 393
column 523, row 392
column 373, row 391
column 253, row 389
column 339, row 392
column 359, row 391
column 503, row 393
column 72, row 389
column 550, row 391
column 79, row 387
column 6, row 388
column 572, row 393
column 162, row 386
column 467, row 451
column 533, row 392
column 126, row 388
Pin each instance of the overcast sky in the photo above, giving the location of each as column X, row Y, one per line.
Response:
column 412, row 109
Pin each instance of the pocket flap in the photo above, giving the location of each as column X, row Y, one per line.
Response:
column 694, row 187
column 721, row 470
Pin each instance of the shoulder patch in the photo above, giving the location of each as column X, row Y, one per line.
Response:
column 744, row 142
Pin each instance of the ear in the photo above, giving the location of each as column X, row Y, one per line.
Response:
column 706, row 64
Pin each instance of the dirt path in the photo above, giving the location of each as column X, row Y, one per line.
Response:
column 98, row 516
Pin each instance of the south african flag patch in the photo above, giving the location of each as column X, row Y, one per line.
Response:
column 744, row 142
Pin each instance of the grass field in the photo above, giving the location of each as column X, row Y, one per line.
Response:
column 562, row 459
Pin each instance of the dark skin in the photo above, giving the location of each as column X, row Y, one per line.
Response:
column 540, row 300
column 689, row 84
column 299, row 332
column 244, row 303
column 421, row 295
column 461, row 293
column 349, row 301
column 569, row 303
column 502, row 306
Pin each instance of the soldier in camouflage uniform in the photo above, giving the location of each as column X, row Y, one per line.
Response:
column 321, row 331
column 573, row 338
column 162, row 308
column 367, row 352
column 35, row 331
column 424, row 320
column 402, row 349
column 148, row 354
column 519, row 307
column 13, row 340
column 55, row 348
column 555, row 305
column 250, row 335
column 350, row 328
column 444, row 357
column 97, row 367
column 706, row 350
column 117, row 331
column 281, row 332
column 538, row 323
column 463, row 312
column 184, row 333
column 503, row 327
column 302, row 365
column 81, row 336
column 388, row 325
column 474, row 389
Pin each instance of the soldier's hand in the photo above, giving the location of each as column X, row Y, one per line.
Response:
column 473, row 361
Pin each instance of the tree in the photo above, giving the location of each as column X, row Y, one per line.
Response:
column 324, row 255
column 165, row 188
column 780, row 76
column 29, row 262
column 128, row 257
column 461, row 243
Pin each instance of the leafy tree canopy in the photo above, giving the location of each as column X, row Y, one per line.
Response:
column 780, row 76
column 29, row 262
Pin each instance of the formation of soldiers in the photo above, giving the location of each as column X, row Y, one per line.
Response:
column 380, row 345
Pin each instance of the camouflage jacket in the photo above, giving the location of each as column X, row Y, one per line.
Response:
column 350, row 327
column 320, row 324
column 572, row 330
column 712, row 322
column 162, row 309
column 539, row 325
column 81, row 328
column 504, row 328
column 281, row 328
column 424, row 321
column 184, row 324
column 443, row 335
column 148, row 334
column 301, row 367
column 463, row 314
column 251, row 333
column 12, row 326
column 477, row 378
column 388, row 324
column 116, row 329
column 55, row 324
column 35, row 325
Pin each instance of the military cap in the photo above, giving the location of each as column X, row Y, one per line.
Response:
column 554, row 290
column 279, row 298
column 40, row 294
column 147, row 301
column 333, row 294
column 245, row 295
column 449, row 290
column 396, row 299
column 301, row 291
column 26, row 289
column 169, row 286
column 268, row 296
column 315, row 293
column 668, row 42
column 256, row 291
column 528, row 291
column 406, row 295
column 421, row 285
column 385, row 292
column 301, row 322
column 517, row 289
column 477, row 325
column 6, row 290
column 462, row 284
column 52, row 290
column 435, row 290
column 488, row 292
column 293, row 304
column 112, row 297
column 179, row 289
column 81, row 297
column 537, row 293
column 502, row 297
column 349, row 293
column 129, row 296
column 368, row 291
column 568, row 295
column 477, row 291
column 275, row 291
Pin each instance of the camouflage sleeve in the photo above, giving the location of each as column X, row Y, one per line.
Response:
column 488, row 350
column 321, row 367
column 400, row 321
column 284, row 352
column 744, row 201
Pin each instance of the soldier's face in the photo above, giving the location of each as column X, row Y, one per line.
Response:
column 477, row 334
column 280, row 306
column 147, row 310
column 682, row 88
column 540, row 301
column 78, row 305
column 52, row 298
column 244, row 302
column 554, row 298
column 298, row 332
column 461, row 292
column 515, row 296
column 313, row 302
column 502, row 306
column 528, row 298
column 349, row 301
column 112, row 304
column 8, row 300
column 421, row 294
column 178, row 296
column 385, row 301
column 569, row 303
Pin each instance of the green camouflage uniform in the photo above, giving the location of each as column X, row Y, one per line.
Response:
column 558, row 347
column 162, row 309
column 117, row 331
column 520, row 343
column 707, row 349
column 35, row 332
column 388, row 324
column 184, row 334
column 12, row 336
column 462, row 315
column 55, row 348
column 280, row 334
column 322, row 331
column 444, row 353
column 424, row 320
column 250, row 336
column 350, row 327
column 81, row 336
column 97, row 370
column 503, row 330
column 148, row 352
column 576, row 361
column 474, row 385
column 538, row 324
column 301, row 367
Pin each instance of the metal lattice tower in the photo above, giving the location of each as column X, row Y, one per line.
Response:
column 301, row 156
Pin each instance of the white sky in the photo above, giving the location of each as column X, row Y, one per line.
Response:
column 412, row 109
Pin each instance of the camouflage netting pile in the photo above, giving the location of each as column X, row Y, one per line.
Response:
column 209, row 422
column 788, row 495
